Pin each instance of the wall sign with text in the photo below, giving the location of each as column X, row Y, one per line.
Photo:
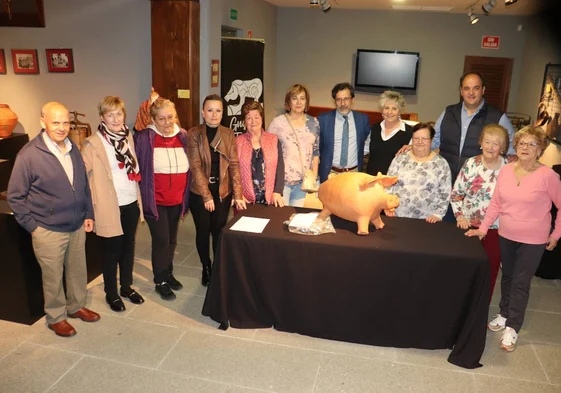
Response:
column 490, row 42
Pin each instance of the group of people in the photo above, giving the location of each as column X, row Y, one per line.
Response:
column 457, row 169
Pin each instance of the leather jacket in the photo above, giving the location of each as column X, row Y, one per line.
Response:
column 198, row 152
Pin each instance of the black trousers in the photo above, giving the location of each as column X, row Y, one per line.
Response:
column 209, row 223
column 520, row 262
column 119, row 251
column 164, row 240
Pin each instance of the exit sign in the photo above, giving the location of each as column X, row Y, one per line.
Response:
column 233, row 14
column 490, row 42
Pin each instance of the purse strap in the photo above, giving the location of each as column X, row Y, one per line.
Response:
column 297, row 144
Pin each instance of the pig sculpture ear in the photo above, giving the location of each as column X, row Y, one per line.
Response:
column 383, row 180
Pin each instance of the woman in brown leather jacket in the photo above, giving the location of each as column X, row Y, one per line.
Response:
column 213, row 158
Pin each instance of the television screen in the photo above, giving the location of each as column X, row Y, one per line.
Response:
column 386, row 69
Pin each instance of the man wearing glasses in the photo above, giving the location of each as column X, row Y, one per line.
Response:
column 342, row 135
column 459, row 125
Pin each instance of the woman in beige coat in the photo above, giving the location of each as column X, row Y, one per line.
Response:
column 113, row 175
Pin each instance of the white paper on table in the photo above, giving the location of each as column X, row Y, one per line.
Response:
column 303, row 220
column 250, row 224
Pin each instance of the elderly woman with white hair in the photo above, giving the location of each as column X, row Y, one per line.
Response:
column 388, row 136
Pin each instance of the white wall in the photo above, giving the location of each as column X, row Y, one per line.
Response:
column 111, row 44
column 256, row 15
column 318, row 49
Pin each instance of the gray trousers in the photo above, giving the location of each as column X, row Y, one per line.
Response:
column 520, row 262
column 58, row 254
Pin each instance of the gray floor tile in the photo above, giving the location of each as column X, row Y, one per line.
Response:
column 550, row 358
column 244, row 363
column 11, row 335
column 486, row 384
column 522, row 363
column 340, row 373
column 98, row 375
column 115, row 338
column 433, row 358
column 542, row 283
column 545, row 299
column 184, row 312
column 237, row 389
column 32, row 368
column 543, row 327
column 318, row 344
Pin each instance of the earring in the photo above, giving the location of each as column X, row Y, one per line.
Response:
column 480, row 148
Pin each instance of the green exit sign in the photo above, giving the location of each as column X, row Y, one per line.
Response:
column 233, row 14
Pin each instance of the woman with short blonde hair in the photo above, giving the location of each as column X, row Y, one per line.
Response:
column 116, row 198
column 388, row 136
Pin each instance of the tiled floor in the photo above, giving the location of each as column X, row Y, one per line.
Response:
column 162, row 346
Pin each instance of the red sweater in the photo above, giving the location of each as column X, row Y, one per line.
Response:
column 170, row 170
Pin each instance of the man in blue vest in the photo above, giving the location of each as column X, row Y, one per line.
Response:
column 343, row 133
column 459, row 126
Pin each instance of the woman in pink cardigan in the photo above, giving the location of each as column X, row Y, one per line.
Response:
column 522, row 202
column 260, row 159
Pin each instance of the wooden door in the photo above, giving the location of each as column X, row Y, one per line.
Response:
column 175, row 55
column 497, row 72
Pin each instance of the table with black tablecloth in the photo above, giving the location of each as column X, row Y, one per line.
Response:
column 409, row 285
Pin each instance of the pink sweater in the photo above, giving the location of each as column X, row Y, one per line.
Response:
column 524, row 211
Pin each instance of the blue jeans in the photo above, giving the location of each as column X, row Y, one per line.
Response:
column 293, row 195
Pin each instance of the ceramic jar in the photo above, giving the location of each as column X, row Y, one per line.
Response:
column 8, row 121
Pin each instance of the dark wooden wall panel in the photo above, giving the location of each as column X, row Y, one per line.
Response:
column 175, row 55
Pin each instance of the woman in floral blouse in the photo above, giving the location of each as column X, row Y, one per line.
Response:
column 298, row 133
column 474, row 189
column 425, row 180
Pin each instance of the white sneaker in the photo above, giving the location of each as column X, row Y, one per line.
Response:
column 497, row 324
column 508, row 340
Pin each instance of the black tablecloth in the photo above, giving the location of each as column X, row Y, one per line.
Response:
column 411, row 284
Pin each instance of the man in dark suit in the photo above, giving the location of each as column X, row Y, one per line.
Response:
column 343, row 133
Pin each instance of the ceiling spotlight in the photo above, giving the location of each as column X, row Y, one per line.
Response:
column 325, row 6
column 473, row 19
column 314, row 3
column 487, row 8
column 509, row 2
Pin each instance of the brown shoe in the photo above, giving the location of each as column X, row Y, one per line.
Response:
column 63, row 329
column 85, row 315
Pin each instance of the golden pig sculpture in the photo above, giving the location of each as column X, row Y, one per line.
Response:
column 358, row 197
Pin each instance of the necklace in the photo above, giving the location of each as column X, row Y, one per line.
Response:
column 518, row 177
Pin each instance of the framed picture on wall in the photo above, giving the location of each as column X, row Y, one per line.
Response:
column 25, row 61
column 2, row 62
column 549, row 108
column 60, row 60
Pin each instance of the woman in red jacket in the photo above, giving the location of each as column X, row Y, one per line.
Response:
column 260, row 159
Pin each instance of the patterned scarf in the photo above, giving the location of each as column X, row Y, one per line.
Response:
column 123, row 153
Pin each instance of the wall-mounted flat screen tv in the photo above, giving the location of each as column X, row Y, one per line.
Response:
column 386, row 70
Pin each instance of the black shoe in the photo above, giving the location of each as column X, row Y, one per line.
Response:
column 205, row 278
column 116, row 305
column 133, row 296
column 174, row 284
column 164, row 289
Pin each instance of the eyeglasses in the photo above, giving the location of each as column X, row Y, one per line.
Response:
column 527, row 144
column 341, row 100
column 420, row 139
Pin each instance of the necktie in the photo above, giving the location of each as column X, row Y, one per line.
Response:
column 345, row 143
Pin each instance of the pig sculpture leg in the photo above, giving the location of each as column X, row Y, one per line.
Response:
column 324, row 214
column 362, row 223
column 377, row 222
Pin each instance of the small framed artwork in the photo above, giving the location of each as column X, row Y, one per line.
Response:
column 25, row 61
column 2, row 62
column 60, row 60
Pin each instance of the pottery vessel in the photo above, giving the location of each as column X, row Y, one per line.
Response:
column 8, row 121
